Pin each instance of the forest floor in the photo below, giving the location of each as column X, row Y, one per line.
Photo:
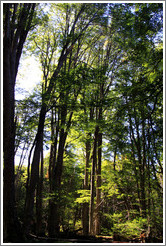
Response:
column 76, row 239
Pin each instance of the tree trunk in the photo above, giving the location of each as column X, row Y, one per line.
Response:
column 52, row 163
column 29, row 203
column 85, row 209
column 149, row 179
column 94, row 161
column 54, row 209
column 54, row 214
column 98, row 166
column 141, row 161
column 143, row 198
column 98, row 186
column 8, row 146
column 39, row 230
column 132, row 139
column 13, row 40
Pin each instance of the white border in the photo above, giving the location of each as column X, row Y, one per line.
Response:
column 164, row 121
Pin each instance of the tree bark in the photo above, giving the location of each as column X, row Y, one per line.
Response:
column 98, row 186
column 52, row 163
column 39, row 209
column 94, row 161
column 132, row 138
column 54, row 209
column 15, row 33
column 98, row 166
column 8, row 145
column 29, row 203
column 141, row 161
column 143, row 198
column 85, row 209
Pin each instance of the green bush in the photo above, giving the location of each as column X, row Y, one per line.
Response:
column 129, row 229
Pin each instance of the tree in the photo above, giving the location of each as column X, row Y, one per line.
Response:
column 138, row 100
column 18, row 20
column 67, row 44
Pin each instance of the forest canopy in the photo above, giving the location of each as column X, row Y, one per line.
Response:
column 83, row 151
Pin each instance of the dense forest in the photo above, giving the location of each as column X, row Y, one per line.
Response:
column 83, row 151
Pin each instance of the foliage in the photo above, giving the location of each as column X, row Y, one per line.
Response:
column 84, row 196
column 130, row 229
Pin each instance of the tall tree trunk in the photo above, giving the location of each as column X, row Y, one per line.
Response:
column 54, row 214
column 39, row 209
column 8, row 146
column 143, row 166
column 85, row 209
column 15, row 33
column 94, row 161
column 98, row 186
column 132, row 139
column 54, row 209
column 154, row 144
column 29, row 203
column 149, row 179
column 141, row 161
column 52, row 163
column 98, row 166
